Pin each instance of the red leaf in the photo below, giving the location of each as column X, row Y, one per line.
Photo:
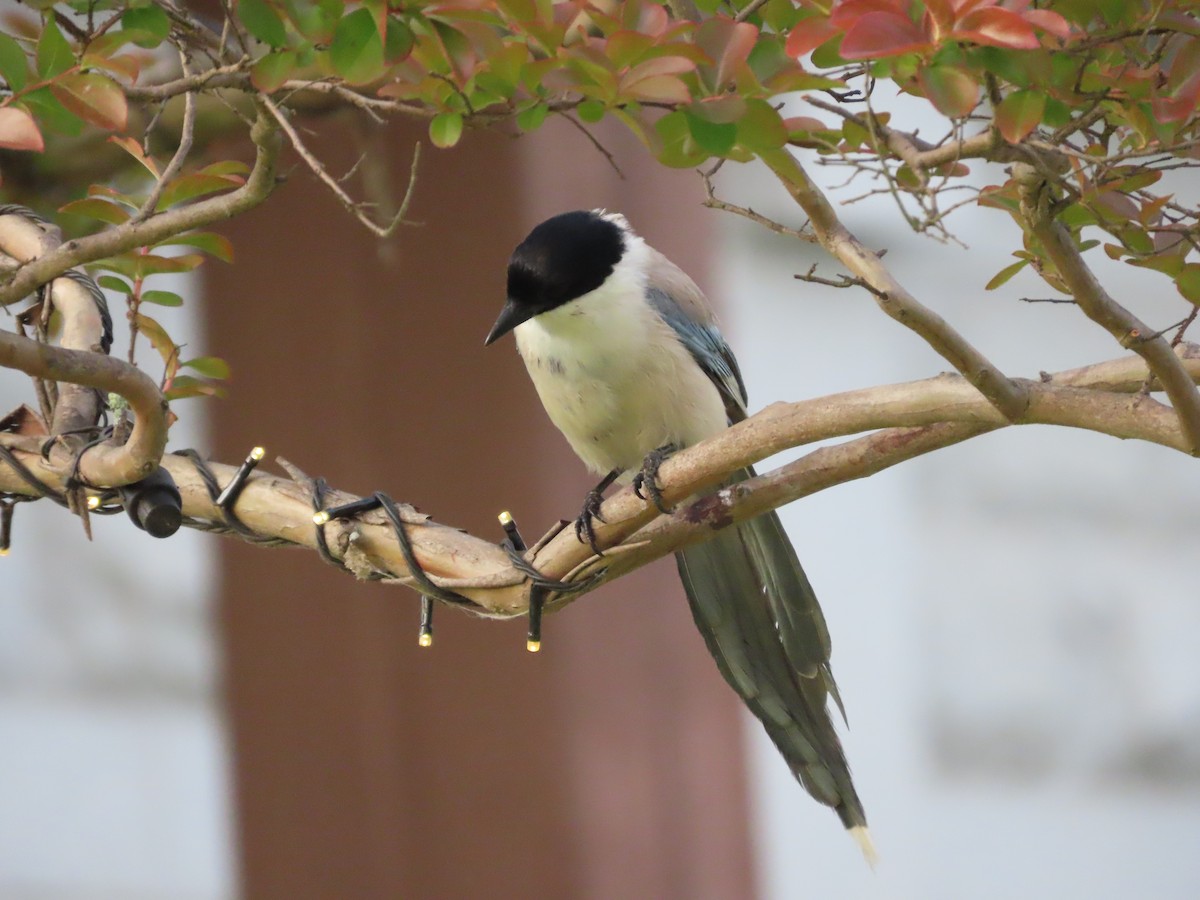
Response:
column 658, row 89
column 652, row 19
column 880, row 34
column 1049, row 21
column 93, row 98
column 728, row 44
column 809, row 34
column 1180, row 106
column 952, row 89
column 18, row 131
column 660, row 65
column 804, row 123
column 997, row 28
column 845, row 14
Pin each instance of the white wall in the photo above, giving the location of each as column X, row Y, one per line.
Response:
column 1014, row 620
column 113, row 769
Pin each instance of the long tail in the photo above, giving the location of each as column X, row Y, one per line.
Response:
column 763, row 626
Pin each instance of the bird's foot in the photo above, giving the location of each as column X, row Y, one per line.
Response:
column 647, row 479
column 585, row 529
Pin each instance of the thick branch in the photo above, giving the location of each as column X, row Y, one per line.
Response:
column 259, row 184
column 1099, row 306
column 1070, row 398
column 917, row 417
column 1004, row 393
column 104, row 464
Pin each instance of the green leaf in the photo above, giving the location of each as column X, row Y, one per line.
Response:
column 209, row 366
column 270, row 72
column 357, row 51
column 158, row 338
column 162, row 298
column 399, row 41
column 262, row 21
column 590, row 111
column 715, row 138
column 951, row 89
column 1187, row 282
column 226, row 167
column 445, row 129
column 761, row 129
column 678, row 149
column 316, row 21
column 150, row 24
column 531, row 118
column 216, row 245
column 51, row 113
column 113, row 283
column 1005, row 274
column 198, row 184
column 53, row 52
column 1019, row 113
column 95, row 208
column 94, row 98
column 14, row 64
column 1008, row 64
column 183, row 386
column 142, row 265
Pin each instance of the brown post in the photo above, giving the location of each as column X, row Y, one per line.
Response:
column 609, row 765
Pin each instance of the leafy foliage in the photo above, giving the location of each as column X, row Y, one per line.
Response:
column 1102, row 97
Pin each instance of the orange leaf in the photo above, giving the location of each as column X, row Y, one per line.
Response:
column 92, row 97
column 997, row 27
column 18, row 131
column 134, row 149
column 809, row 34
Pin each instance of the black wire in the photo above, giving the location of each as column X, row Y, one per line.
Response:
column 214, row 491
column 427, row 586
column 40, row 487
column 320, row 489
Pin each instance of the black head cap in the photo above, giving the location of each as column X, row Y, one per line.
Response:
column 563, row 258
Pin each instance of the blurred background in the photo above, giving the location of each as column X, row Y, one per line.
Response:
column 1014, row 619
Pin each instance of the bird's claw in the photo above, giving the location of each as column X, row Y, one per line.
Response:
column 585, row 531
column 647, row 479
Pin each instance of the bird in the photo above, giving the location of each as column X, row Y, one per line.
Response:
column 627, row 358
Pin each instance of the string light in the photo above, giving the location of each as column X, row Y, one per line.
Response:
column 346, row 510
column 425, row 637
column 229, row 495
column 533, row 637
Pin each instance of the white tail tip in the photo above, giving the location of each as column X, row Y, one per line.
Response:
column 863, row 838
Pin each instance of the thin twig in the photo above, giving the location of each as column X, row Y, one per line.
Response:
column 750, row 10
column 1099, row 306
column 318, row 168
column 711, row 201
column 842, row 281
column 595, row 142
column 1008, row 396
column 181, row 152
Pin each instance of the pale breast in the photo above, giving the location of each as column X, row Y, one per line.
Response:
column 618, row 391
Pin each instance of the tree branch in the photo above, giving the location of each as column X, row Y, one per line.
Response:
column 917, row 417
column 1004, row 393
column 1099, row 306
column 259, row 184
column 104, row 464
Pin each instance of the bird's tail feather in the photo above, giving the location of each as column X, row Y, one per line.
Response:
column 763, row 626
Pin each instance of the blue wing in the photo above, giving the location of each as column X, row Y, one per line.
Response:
column 710, row 351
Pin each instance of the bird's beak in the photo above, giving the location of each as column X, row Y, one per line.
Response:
column 510, row 317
